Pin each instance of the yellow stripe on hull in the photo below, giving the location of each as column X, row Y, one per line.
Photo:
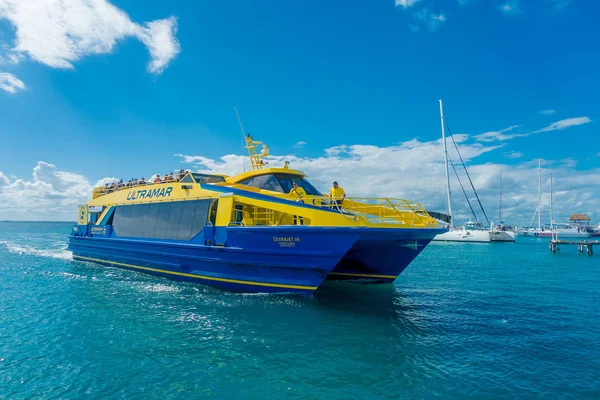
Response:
column 208, row 278
column 365, row 275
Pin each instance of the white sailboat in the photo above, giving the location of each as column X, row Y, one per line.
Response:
column 472, row 231
column 501, row 232
column 560, row 230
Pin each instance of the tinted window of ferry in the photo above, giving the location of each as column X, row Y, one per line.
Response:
column 281, row 183
column 173, row 223
column 265, row 182
column 162, row 219
column 181, row 220
column 204, row 178
column 187, row 179
column 286, row 182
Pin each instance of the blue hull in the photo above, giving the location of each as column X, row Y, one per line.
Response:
column 293, row 259
column 379, row 256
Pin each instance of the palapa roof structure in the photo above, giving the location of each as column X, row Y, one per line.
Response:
column 579, row 217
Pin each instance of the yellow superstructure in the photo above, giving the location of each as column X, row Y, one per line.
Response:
column 260, row 197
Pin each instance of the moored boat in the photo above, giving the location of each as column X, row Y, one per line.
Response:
column 246, row 233
column 502, row 233
column 471, row 232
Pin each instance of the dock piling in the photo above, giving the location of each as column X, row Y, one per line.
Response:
column 588, row 245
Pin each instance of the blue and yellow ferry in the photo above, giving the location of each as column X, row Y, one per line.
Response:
column 246, row 233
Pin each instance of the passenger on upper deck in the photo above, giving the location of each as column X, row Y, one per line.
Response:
column 133, row 182
column 297, row 192
column 337, row 194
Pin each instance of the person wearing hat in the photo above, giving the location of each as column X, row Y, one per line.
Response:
column 337, row 194
column 296, row 193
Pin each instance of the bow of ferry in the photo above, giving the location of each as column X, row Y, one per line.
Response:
column 245, row 233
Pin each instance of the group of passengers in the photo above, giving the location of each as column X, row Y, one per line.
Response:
column 135, row 182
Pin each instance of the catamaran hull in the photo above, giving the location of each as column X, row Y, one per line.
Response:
column 255, row 259
column 264, row 259
column 379, row 256
column 472, row 236
column 502, row 236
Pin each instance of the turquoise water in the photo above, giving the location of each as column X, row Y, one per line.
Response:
column 466, row 321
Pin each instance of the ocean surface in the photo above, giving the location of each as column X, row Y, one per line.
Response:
column 464, row 321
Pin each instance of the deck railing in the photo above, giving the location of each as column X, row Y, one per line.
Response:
column 375, row 210
column 102, row 190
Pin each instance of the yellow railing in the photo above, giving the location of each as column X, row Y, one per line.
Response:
column 251, row 215
column 376, row 210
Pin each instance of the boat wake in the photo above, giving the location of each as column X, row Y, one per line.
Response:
column 16, row 248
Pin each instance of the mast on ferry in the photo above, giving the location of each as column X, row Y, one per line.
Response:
column 446, row 163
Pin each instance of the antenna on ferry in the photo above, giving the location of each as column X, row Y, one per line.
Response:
column 243, row 135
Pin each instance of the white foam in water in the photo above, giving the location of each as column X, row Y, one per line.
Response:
column 74, row 276
column 159, row 287
column 62, row 253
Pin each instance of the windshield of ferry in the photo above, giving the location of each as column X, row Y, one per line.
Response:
column 281, row 183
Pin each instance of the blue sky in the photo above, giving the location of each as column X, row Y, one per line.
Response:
column 120, row 99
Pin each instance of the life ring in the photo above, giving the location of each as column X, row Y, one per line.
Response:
column 536, row 234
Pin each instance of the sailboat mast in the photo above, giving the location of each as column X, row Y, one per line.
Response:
column 500, row 213
column 539, row 206
column 446, row 164
column 551, row 223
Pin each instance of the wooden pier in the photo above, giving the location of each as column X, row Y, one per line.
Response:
column 588, row 245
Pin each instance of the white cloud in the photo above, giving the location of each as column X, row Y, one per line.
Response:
column 406, row 3
column 547, row 112
column 59, row 32
column 300, row 144
column 6, row 57
column 10, row 83
column 514, row 154
column 52, row 194
column 424, row 17
column 431, row 20
column 435, row 20
column 568, row 162
column 4, row 179
column 104, row 181
column 510, row 7
column 159, row 37
column 565, row 123
column 501, row 135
